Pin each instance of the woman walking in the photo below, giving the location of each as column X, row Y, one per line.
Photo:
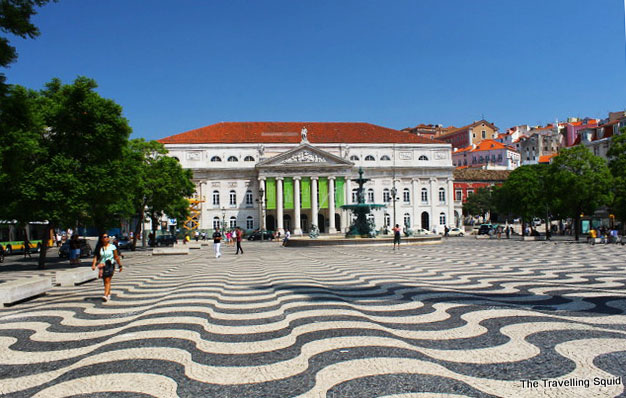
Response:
column 105, row 259
column 74, row 250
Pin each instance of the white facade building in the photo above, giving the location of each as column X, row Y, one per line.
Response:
column 288, row 175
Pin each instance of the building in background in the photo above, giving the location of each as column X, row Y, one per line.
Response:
column 471, row 134
column 488, row 154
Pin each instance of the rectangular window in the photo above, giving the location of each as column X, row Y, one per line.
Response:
column 470, row 192
column 249, row 223
column 458, row 194
column 484, row 134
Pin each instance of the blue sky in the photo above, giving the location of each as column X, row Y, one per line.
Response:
column 179, row 65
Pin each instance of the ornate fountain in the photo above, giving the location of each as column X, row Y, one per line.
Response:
column 361, row 227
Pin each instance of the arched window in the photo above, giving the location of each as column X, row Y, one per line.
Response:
column 233, row 198
column 370, row 158
column 407, row 220
column 249, row 222
column 423, row 157
column 233, row 159
column 248, row 198
column 233, row 222
column 424, row 195
column 216, row 159
column 370, row 195
column 216, row 198
column 442, row 195
column 355, row 198
column 354, row 158
column 216, row 222
column 406, row 195
column 386, row 195
column 248, row 159
column 442, row 218
column 385, row 157
column 387, row 220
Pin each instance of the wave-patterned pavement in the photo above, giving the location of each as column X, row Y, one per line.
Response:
column 466, row 318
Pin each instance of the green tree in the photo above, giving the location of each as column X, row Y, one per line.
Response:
column 158, row 184
column 523, row 194
column 61, row 161
column 617, row 165
column 480, row 203
column 15, row 19
column 581, row 183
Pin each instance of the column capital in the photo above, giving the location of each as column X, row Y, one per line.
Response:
column 262, row 179
column 280, row 178
column 314, row 178
column 297, row 178
column 333, row 178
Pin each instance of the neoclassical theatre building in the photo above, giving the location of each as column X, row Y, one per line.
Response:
column 292, row 175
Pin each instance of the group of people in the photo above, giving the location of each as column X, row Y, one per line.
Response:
column 605, row 234
column 236, row 235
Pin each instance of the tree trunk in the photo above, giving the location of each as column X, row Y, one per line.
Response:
column 137, row 231
column 576, row 227
column 523, row 227
column 41, row 264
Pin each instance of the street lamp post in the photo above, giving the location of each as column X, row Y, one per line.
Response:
column 223, row 218
column 394, row 191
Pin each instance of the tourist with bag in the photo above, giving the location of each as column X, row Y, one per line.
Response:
column 106, row 256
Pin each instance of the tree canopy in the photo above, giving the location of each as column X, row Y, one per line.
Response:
column 617, row 165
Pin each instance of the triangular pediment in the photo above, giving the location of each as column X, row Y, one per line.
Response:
column 305, row 155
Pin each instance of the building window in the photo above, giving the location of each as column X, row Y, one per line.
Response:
column 424, row 195
column 216, row 198
column 423, row 157
column 387, row 220
column 442, row 195
column 216, row 159
column 370, row 195
column 233, row 198
column 249, row 198
column 249, row 222
column 248, row 159
column 499, row 157
column 458, row 194
column 406, row 195
column 233, row 222
column 369, row 158
column 407, row 220
column 484, row 134
column 386, row 195
column 354, row 158
column 385, row 157
column 355, row 197
column 232, row 159
column 442, row 218
column 470, row 192
column 216, row 222
column 370, row 218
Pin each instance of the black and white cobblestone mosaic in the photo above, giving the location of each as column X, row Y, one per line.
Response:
column 465, row 318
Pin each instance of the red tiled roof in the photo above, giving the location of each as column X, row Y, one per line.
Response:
column 289, row 132
column 546, row 158
column 465, row 128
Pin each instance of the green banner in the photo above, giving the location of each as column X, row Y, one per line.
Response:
column 288, row 193
column 339, row 192
column 323, row 192
column 270, row 193
column 305, row 189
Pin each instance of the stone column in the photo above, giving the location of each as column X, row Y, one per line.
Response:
column 450, row 199
column 434, row 217
column 279, row 205
column 345, row 214
column 262, row 209
column 331, row 206
column 297, row 230
column 416, row 198
column 314, row 202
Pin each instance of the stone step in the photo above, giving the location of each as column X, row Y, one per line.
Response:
column 73, row 277
column 160, row 251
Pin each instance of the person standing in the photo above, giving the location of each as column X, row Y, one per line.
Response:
column 217, row 241
column 286, row 238
column 396, row 236
column 105, row 259
column 74, row 249
column 27, row 247
column 237, row 237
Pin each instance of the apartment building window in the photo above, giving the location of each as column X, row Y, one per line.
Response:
column 406, row 195
column 249, row 222
column 386, row 196
column 470, row 192
column 424, row 195
column 216, row 222
column 484, row 134
column 233, row 198
column 233, row 222
column 442, row 195
column 249, row 198
column 458, row 195
column 216, row 198
column 442, row 218
column 370, row 195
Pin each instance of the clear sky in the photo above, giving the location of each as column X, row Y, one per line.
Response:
column 179, row 65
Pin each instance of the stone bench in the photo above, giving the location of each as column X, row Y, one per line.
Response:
column 73, row 277
column 20, row 289
column 160, row 251
column 190, row 245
